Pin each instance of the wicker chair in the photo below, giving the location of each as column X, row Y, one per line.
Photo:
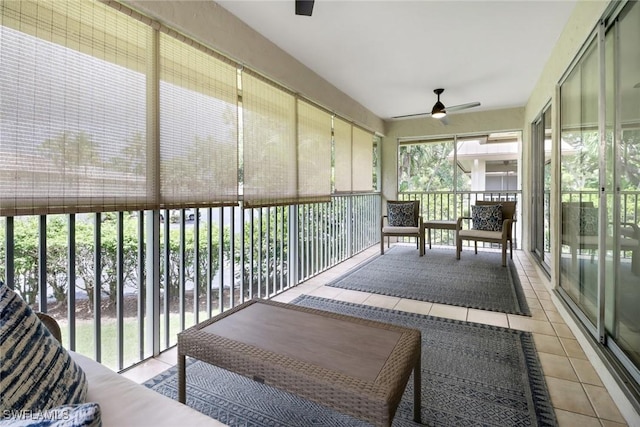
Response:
column 415, row 230
column 51, row 324
column 504, row 236
column 577, row 238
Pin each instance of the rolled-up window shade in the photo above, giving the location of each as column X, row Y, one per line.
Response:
column 342, row 154
column 72, row 109
column 198, row 127
column 314, row 153
column 362, row 161
column 270, row 166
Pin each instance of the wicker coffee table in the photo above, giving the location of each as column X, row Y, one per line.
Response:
column 355, row 366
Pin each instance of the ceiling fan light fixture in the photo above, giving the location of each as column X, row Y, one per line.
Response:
column 304, row 7
column 438, row 110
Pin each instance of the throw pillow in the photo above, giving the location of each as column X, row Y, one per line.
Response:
column 487, row 217
column 401, row 214
column 588, row 221
column 36, row 373
column 585, row 218
column 83, row 415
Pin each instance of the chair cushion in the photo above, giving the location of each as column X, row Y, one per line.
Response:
column 401, row 214
column 401, row 230
column 36, row 373
column 480, row 235
column 486, row 217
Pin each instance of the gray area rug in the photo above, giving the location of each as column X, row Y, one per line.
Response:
column 472, row 375
column 475, row 281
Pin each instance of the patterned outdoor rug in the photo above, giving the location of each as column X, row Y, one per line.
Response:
column 472, row 374
column 475, row 281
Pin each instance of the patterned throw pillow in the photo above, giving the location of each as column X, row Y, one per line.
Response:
column 487, row 217
column 588, row 221
column 83, row 415
column 583, row 217
column 36, row 373
column 401, row 214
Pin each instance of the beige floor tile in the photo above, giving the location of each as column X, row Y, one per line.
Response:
column 307, row 287
column 169, row 356
column 570, row 396
column 449, row 311
column 571, row 419
column 413, row 306
column 355, row 297
column 534, row 304
column 488, row 317
column 538, row 286
column 585, row 372
column 147, row 370
column 526, row 324
column 524, row 284
column 607, row 423
column 326, row 292
column 543, row 295
column 530, row 293
column 554, row 316
column 572, row 347
column 287, row 296
column 538, row 314
column 383, row 301
column 557, row 366
column 563, row 330
column 548, row 344
column 603, row 404
column 548, row 305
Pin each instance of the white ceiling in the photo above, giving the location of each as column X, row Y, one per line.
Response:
column 390, row 55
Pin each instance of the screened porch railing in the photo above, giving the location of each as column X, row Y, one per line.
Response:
column 447, row 206
column 90, row 271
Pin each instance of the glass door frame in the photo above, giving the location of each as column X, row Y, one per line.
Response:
column 538, row 136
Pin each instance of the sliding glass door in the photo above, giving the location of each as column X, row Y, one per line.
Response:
column 541, row 188
column 622, row 185
column 580, row 167
column 599, row 261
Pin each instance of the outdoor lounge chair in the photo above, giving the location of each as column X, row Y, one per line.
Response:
column 580, row 232
column 488, row 227
column 403, row 219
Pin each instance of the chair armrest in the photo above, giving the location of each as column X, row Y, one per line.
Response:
column 507, row 224
column 51, row 324
column 382, row 221
column 459, row 223
column 635, row 232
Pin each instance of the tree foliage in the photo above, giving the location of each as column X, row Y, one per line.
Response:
column 426, row 167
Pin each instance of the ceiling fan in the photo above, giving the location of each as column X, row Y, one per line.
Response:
column 439, row 110
column 304, row 7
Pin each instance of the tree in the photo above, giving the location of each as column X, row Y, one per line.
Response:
column 71, row 148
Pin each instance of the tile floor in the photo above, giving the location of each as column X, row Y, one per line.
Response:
column 577, row 393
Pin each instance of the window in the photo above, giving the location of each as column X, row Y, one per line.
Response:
column 198, row 127
column 73, row 108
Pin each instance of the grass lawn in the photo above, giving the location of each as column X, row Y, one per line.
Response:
column 85, row 338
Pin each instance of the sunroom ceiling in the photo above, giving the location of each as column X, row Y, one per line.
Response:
column 390, row 55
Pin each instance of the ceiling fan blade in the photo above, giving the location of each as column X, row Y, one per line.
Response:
column 408, row 116
column 304, row 7
column 462, row 107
